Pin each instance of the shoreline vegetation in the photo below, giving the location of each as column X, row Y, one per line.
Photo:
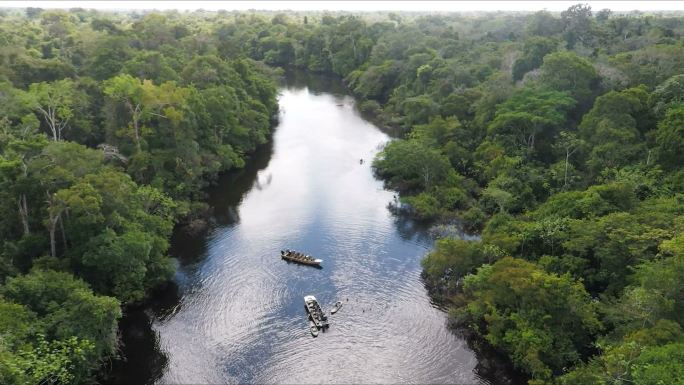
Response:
column 557, row 137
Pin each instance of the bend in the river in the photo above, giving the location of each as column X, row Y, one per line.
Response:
column 236, row 313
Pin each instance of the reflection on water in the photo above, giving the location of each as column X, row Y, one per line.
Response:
column 238, row 315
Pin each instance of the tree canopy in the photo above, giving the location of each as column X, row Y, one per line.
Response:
column 558, row 137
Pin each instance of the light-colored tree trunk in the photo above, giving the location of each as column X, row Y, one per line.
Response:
column 135, row 116
column 354, row 48
column 568, row 153
column 23, row 213
column 56, row 126
column 567, row 159
column 53, row 218
column 426, row 176
column 51, row 229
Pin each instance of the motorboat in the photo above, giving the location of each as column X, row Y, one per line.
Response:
column 315, row 312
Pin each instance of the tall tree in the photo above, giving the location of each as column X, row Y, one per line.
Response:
column 55, row 103
column 565, row 71
column 528, row 114
column 144, row 100
column 670, row 138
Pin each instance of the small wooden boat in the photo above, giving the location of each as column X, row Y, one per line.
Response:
column 337, row 306
column 315, row 312
column 294, row 256
column 313, row 329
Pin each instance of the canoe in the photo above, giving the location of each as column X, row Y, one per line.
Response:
column 297, row 257
column 336, row 307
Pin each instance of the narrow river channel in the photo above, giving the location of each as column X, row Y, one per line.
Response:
column 236, row 311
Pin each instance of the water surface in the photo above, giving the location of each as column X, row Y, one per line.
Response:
column 236, row 312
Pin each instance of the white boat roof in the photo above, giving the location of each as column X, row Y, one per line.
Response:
column 309, row 298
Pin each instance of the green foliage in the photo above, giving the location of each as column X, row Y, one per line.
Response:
column 58, row 361
column 534, row 50
column 502, row 230
column 662, row 278
column 579, row 27
column 562, row 158
column 566, row 71
column 660, row 365
column 652, row 64
column 453, row 259
column 167, row 111
column 595, row 201
column 668, row 94
column 423, row 205
column 529, row 117
column 67, row 307
column 543, row 321
column 613, row 128
column 54, row 328
column 670, row 138
column 409, row 165
column 558, row 170
column 54, row 103
column 543, row 23
column 418, row 109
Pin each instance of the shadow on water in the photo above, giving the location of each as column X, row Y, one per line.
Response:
column 494, row 366
column 224, row 198
column 141, row 355
column 316, row 83
column 410, row 229
column 226, row 194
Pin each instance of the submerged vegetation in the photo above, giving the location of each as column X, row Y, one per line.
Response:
column 558, row 137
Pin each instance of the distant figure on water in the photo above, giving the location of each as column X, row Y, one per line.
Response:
column 361, row 161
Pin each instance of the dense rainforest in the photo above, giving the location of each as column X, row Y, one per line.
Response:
column 557, row 137
column 109, row 129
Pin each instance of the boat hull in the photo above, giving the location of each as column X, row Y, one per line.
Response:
column 335, row 308
column 315, row 262
column 293, row 256
column 316, row 314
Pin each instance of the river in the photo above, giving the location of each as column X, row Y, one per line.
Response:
column 235, row 313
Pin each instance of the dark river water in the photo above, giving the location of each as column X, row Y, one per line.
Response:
column 236, row 314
